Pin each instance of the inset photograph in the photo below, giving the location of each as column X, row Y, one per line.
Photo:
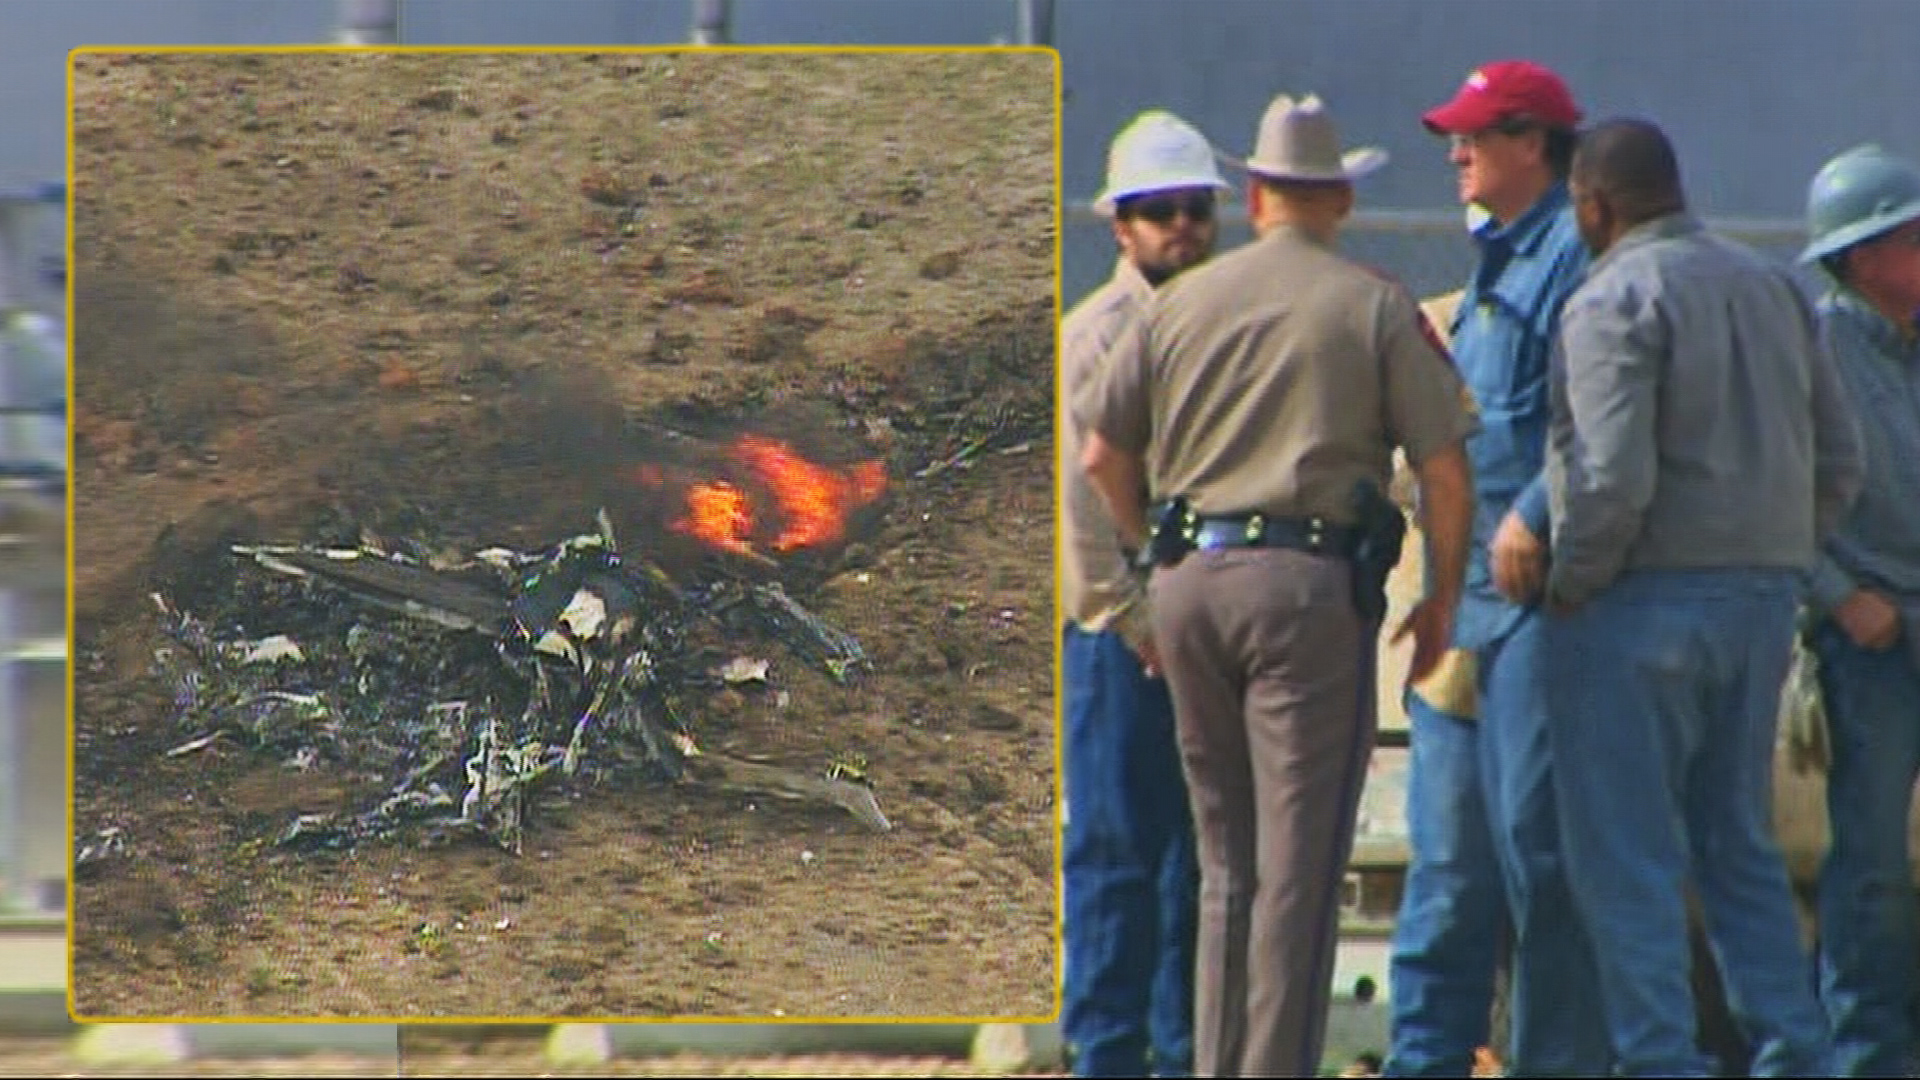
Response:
column 564, row 534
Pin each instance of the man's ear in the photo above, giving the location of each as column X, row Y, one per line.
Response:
column 1539, row 137
column 1256, row 199
column 1605, row 213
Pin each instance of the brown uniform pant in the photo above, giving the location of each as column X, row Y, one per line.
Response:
column 1271, row 672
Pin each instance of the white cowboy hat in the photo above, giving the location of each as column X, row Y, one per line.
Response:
column 1297, row 141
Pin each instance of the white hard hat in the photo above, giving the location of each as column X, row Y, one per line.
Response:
column 1157, row 151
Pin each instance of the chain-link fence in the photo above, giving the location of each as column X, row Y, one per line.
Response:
column 1428, row 249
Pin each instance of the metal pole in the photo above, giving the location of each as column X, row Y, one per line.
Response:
column 711, row 22
column 13, row 839
column 1036, row 22
column 368, row 22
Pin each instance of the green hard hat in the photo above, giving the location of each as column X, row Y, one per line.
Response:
column 1857, row 196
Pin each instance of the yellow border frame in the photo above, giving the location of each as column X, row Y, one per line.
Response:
column 1052, row 631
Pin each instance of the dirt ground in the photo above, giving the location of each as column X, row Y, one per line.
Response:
column 472, row 291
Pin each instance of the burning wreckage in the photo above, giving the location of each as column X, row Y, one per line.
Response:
column 463, row 686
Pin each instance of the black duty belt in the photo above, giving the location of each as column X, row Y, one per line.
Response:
column 1313, row 535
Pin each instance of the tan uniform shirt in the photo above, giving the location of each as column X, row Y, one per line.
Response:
column 1097, row 592
column 1274, row 377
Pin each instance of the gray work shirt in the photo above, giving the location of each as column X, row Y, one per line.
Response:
column 1697, row 419
column 1877, row 545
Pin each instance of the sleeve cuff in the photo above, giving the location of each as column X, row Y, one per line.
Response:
column 1533, row 507
column 1568, row 590
column 1829, row 585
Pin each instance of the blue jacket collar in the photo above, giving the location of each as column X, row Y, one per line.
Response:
column 1527, row 232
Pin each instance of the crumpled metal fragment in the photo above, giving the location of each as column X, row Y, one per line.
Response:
column 104, row 844
column 468, row 685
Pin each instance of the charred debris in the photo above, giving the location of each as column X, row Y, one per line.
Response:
column 467, row 686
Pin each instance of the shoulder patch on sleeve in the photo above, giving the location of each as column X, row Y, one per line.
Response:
column 1433, row 336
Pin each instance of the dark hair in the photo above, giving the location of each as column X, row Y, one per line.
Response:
column 1558, row 143
column 1561, row 143
column 1632, row 164
column 1282, row 186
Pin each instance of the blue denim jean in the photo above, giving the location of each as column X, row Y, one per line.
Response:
column 1453, row 911
column 1868, row 941
column 1486, row 862
column 1131, row 880
column 1664, row 697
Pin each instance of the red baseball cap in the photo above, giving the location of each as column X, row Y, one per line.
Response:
column 1504, row 89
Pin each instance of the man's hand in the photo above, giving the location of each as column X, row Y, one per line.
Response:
column 1869, row 619
column 1519, row 560
column 1149, row 655
column 1431, row 624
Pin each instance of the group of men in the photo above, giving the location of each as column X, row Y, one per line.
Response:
column 1646, row 460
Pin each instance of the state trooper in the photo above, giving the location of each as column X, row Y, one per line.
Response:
column 1863, row 214
column 1130, row 876
column 1259, row 399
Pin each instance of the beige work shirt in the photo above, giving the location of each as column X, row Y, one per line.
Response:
column 1097, row 591
column 1273, row 378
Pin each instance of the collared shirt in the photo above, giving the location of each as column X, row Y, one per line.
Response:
column 1097, row 590
column 1274, row 378
column 1877, row 545
column 1502, row 337
column 1697, row 419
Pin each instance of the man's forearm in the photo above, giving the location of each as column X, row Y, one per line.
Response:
column 1120, row 478
column 1839, row 468
column 1446, row 520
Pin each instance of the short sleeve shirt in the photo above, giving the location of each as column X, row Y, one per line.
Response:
column 1273, row 378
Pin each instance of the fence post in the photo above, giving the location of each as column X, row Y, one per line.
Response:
column 1036, row 22
column 368, row 22
column 711, row 22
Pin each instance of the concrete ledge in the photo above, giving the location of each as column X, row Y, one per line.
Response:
column 1019, row 1048
column 34, row 1012
column 35, row 951
column 592, row 1044
column 166, row 1044
column 1354, row 1027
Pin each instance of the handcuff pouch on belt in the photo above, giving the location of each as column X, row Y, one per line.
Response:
column 1381, row 530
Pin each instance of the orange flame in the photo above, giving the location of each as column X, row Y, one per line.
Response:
column 813, row 502
column 719, row 514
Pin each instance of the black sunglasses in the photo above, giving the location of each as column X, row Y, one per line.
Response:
column 1162, row 209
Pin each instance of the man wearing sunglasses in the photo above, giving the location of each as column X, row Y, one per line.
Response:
column 1129, row 863
column 1255, row 397
column 1863, row 213
column 1480, row 809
